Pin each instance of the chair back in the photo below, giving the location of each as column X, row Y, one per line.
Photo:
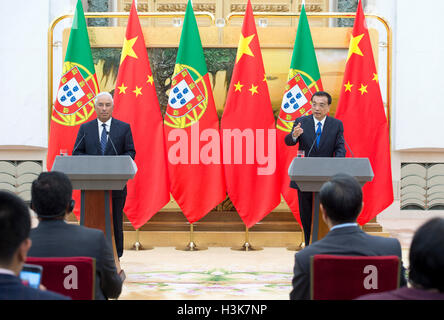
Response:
column 348, row 277
column 71, row 276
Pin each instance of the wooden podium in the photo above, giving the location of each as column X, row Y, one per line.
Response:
column 96, row 176
column 312, row 172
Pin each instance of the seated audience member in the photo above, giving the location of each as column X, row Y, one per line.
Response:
column 15, row 225
column 426, row 259
column 51, row 199
column 341, row 203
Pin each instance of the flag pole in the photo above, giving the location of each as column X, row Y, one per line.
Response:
column 138, row 245
column 301, row 244
column 191, row 246
column 247, row 245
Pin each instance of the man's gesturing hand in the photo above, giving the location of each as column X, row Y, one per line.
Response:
column 297, row 131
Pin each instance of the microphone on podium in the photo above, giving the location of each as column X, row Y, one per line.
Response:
column 314, row 141
column 348, row 147
column 78, row 144
column 112, row 143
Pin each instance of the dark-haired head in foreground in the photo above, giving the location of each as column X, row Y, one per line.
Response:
column 51, row 195
column 341, row 199
column 427, row 256
column 15, row 225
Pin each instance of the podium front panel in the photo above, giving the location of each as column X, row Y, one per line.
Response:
column 312, row 172
column 96, row 172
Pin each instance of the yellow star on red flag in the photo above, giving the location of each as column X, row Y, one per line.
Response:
column 253, row 89
column 363, row 89
column 137, row 91
column 127, row 49
column 238, row 86
column 122, row 88
column 354, row 46
column 243, row 47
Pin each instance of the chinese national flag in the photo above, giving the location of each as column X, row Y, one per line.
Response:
column 252, row 183
column 361, row 110
column 192, row 129
column 304, row 80
column 135, row 102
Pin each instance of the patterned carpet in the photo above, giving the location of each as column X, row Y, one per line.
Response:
column 224, row 274
column 213, row 274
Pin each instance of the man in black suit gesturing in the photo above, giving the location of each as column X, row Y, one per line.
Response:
column 318, row 135
column 109, row 137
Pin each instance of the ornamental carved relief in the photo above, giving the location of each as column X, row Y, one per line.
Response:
column 281, row 7
column 172, row 7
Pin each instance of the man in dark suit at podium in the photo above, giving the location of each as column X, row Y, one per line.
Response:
column 109, row 137
column 318, row 135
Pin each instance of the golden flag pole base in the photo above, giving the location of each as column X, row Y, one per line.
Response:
column 247, row 245
column 297, row 248
column 137, row 245
column 191, row 246
column 300, row 246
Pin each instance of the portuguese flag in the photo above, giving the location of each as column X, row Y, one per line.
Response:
column 78, row 86
column 74, row 103
column 304, row 79
column 192, row 129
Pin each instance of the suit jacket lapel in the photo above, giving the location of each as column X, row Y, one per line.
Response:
column 108, row 147
column 113, row 134
column 325, row 130
column 311, row 130
column 95, row 135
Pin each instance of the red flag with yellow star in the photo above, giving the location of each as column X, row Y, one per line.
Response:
column 135, row 102
column 361, row 110
column 249, row 135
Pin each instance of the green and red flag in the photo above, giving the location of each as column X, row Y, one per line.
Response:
column 135, row 102
column 192, row 129
column 252, row 182
column 361, row 110
column 304, row 79
column 78, row 86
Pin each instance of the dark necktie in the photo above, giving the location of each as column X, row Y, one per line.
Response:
column 103, row 138
column 318, row 134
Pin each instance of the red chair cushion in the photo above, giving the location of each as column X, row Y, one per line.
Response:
column 70, row 276
column 348, row 277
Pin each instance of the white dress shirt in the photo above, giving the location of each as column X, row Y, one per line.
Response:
column 7, row 271
column 108, row 127
column 344, row 225
column 316, row 124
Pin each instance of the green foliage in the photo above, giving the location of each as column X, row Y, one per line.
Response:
column 98, row 6
column 347, row 6
column 162, row 62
